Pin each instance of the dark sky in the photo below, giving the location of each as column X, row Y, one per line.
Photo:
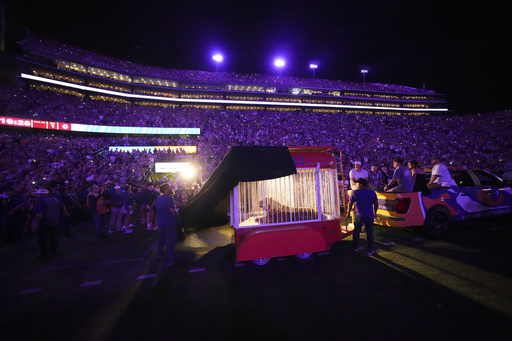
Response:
column 459, row 48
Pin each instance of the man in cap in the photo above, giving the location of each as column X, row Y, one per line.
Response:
column 441, row 177
column 365, row 204
column 356, row 173
column 46, row 220
column 116, row 213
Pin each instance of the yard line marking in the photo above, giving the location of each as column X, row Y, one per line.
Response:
column 419, row 239
column 146, row 276
column 88, row 284
column 323, row 253
column 28, row 291
column 148, row 251
column 389, row 243
column 195, row 270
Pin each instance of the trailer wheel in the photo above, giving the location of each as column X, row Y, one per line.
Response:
column 304, row 257
column 437, row 223
column 261, row 262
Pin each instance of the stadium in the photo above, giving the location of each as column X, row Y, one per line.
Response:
column 120, row 103
column 101, row 132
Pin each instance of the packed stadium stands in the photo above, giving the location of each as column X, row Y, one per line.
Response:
column 31, row 159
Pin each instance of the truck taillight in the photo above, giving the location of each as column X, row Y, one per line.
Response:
column 402, row 205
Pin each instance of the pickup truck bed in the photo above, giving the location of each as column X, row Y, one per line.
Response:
column 478, row 194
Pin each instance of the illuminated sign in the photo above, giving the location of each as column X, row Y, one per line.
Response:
column 186, row 149
column 39, row 124
column 171, row 167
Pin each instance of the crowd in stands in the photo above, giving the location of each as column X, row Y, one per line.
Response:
column 54, row 49
column 72, row 163
column 57, row 107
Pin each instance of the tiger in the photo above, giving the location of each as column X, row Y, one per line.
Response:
column 279, row 213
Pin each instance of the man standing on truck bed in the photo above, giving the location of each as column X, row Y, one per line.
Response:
column 403, row 176
column 441, row 177
column 365, row 205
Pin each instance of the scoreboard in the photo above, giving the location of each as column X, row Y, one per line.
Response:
column 38, row 124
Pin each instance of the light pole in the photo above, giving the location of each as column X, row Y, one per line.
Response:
column 279, row 63
column 218, row 59
column 364, row 72
column 313, row 66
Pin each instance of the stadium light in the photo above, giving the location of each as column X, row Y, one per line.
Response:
column 279, row 63
column 364, row 71
column 218, row 59
column 313, row 65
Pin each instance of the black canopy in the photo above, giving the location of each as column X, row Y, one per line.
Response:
column 240, row 165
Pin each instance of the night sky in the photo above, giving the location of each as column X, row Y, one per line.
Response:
column 459, row 48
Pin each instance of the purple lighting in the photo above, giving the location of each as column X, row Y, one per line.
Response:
column 364, row 71
column 313, row 65
column 218, row 59
column 279, row 63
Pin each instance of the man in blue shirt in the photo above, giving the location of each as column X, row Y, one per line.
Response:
column 402, row 176
column 364, row 202
column 167, row 219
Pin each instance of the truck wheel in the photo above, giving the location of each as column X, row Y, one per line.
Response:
column 303, row 257
column 437, row 223
column 261, row 262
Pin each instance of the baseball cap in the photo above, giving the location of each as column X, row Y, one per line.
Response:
column 357, row 162
column 41, row 191
column 362, row 181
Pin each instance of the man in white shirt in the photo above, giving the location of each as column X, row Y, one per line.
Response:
column 357, row 173
column 441, row 177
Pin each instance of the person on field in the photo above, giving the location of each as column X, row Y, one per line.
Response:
column 167, row 219
column 364, row 202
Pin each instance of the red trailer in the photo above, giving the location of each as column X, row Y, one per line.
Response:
column 295, row 215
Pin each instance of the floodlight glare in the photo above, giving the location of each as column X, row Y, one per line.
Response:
column 189, row 172
column 217, row 57
column 364, row 71
column 279, row 62
column 313, row 66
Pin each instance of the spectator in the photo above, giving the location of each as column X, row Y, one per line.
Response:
column 402, row 176
column 376, row 183
column 419, row 177
column 440, row 177
column 357, row 173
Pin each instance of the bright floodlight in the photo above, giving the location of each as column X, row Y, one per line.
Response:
column 279, row 62
column 364, row 71
column 189, row 172
column 218, row 59
column 313, row 66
